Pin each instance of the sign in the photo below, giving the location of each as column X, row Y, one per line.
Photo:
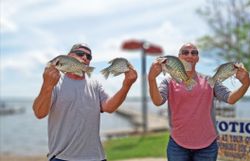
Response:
column 234, row 139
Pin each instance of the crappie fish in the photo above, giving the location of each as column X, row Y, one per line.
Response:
column 223, row 72
column 117, row 67
column 67, row 64
column 177, row 69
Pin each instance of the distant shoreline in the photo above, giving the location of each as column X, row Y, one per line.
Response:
column 129, row 99
column 13, row 157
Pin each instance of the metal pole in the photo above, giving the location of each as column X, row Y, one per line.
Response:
column 144, row 92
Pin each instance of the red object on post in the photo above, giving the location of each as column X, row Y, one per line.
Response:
column 132, row 45
column 154, row 50
column 148, row 48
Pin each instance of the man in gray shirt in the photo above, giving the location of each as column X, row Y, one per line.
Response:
column 73, row 105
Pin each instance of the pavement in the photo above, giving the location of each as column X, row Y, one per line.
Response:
column 149, row 159
column 146, row 159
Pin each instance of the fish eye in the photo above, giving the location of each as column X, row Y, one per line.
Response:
column 58, row 63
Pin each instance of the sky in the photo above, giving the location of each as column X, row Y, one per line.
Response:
column 34, row 32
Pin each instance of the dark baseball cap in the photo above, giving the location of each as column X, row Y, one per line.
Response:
column 79, row 46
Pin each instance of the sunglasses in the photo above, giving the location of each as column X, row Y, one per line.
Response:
column 82, row 53
column 193, row 52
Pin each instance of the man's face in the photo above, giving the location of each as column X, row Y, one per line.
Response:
column 190, row 54
column 82, row 54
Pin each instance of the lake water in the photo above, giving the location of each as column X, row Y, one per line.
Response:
column 24, row 134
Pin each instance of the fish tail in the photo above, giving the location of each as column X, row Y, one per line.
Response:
column 211, row 82
column 105, row 72
column 187, row 66
column 190, row 83
column 164, row 72
column 89, row 71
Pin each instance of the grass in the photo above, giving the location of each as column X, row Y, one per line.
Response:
column 148, row 145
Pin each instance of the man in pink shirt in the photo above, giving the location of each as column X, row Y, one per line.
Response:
column 191, row 113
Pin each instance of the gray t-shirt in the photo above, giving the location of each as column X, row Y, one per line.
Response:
column 74, row 120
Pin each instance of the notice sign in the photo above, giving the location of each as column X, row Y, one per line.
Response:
column 234, row 139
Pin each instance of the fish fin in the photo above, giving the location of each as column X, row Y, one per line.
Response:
column 89, row 70
column 164, row 72
column 111, row 61
column 211, row 82
column 130, row 66
column 105, row 72
column 187, row 65
column 190, row 83
column 79, row 73
column 176, row 79
column 116, row 74
column 164, row 69
column 216, row 69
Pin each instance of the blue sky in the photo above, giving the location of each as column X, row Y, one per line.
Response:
column 33, row 32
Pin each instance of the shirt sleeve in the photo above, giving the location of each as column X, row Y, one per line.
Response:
column 103, row 96
column 221, row 92
column 163, row 89
column 54, row 96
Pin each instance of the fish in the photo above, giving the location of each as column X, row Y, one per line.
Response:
column 177, row 69
column 68, row 64
column 223, row 72
column 117, row 67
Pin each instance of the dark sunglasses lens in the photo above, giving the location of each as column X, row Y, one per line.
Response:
column 184, row 52
column 194, row 52
column 89, row 57
column 81, row 53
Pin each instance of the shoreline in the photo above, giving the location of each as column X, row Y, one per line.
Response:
column 13, row 157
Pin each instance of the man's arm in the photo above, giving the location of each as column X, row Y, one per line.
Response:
column 114, row 102
column 243, row 76
column 155, row 95
column 42, row 103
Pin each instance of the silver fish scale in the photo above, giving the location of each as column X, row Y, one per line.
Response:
column 119, row 65
column 70, row 64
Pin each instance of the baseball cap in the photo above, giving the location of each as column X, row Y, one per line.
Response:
column 80, row 45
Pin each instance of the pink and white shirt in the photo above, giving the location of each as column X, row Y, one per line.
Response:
column 191, row 112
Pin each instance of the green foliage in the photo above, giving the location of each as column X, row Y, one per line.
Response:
column 150, row 145
column 229, row 21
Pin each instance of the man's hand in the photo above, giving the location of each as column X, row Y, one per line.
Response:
column 130, row 76
column 51, row 76
column 243, row 76
column 155, row 70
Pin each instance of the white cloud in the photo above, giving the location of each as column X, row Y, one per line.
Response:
column 25, row 63
column 7, row 26
column 36, row 31
column 11, row 10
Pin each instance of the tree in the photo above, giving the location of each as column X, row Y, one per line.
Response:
column 229, row 21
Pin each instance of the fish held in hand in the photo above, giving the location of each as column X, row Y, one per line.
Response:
column 223, row 72
column 117, row 67
column 177, row 69
column 68, row 64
